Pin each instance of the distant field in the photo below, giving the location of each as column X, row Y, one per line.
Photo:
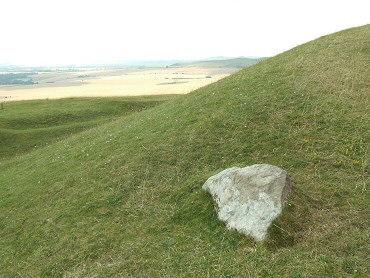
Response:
column 113, row 82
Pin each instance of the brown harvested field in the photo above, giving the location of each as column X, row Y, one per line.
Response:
column 113, row 82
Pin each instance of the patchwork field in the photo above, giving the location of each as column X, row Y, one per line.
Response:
column 80, row 82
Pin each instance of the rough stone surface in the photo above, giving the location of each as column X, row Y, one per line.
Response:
column 250, row 198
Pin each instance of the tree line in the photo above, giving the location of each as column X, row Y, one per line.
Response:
column 16, row 79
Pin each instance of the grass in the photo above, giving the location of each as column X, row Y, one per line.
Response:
column 27, row 125
column 125, row 198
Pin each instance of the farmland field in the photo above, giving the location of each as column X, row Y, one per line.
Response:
column 88, row 82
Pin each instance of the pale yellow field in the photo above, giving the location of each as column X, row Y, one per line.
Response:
column 98, row 83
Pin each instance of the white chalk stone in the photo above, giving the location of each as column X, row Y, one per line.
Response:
column 250, row 198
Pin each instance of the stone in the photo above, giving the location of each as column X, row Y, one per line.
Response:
column 249, row 199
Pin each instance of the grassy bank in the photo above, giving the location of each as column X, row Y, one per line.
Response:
column 26, row 125
column 125, row 198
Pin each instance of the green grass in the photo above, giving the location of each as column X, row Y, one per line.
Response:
column 27, row 125
column 125, row 198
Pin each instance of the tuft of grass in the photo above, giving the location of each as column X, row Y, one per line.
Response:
column 125, row 198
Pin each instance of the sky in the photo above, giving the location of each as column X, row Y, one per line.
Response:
column 79, row 32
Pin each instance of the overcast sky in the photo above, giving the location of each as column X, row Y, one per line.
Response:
column 59, row 32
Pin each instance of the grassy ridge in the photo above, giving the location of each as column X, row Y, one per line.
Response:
column 125, row 198
column 33, row 124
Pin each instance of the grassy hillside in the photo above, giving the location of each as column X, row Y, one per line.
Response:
column 27, row 125
column 125, row 198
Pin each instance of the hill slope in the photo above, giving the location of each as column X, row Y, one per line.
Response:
column 26, row 125
column 125, row 198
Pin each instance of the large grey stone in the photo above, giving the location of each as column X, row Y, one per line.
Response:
column 249, row 199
